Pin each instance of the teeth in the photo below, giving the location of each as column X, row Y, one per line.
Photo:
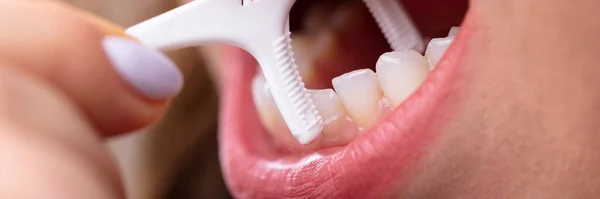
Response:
column 361, row 97
column 453, row 31
column 265, row 104
column 360, row 93
column 436, row 48
column 400, row 73
column 331, row 109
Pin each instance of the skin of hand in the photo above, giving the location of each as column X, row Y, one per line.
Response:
column 60, row 98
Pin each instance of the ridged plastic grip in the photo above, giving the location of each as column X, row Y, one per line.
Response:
column 297, row 93
column 260, row 27
column 396, row 25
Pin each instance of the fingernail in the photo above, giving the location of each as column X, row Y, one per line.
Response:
column 147, row 70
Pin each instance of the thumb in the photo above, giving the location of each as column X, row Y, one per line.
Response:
column 118, row 84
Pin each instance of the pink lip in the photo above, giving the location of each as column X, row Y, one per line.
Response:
column 373, row 166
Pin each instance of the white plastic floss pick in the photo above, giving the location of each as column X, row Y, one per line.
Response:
column 259, row 27
column 396, row 25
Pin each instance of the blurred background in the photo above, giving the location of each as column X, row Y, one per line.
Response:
column 177, row 158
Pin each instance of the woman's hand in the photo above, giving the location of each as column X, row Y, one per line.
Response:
column 68, row 80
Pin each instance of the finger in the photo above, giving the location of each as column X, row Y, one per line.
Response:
column 120, row 85
column 47, row 148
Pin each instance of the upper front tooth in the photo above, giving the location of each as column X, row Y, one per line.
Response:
column 400, row 73
column 360, row 93
column 436, row 49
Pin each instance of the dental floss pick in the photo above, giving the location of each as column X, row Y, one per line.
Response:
column 259, row 27
column 396, row 25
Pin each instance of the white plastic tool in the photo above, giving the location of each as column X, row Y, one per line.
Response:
column 261, row 27
column 396, row 25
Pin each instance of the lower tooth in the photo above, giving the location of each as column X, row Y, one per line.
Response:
column 400, row 73
column 453, row 31
column 361, row 97
column 436, row 49
column 265, row 105
column 360, row 93
column 331, row 110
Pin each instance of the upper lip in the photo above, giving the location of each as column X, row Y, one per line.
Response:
column 370, row 167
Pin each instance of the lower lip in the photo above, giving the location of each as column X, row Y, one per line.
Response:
column 372, row 166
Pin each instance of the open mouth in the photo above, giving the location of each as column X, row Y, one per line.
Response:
column 380, row 118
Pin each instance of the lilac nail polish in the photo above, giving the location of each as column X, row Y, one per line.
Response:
column 147, row 70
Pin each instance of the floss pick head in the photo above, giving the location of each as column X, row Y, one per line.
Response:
column 261, row 27
column 396, row 25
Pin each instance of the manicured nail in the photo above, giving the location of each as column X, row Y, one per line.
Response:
column 147, row 70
